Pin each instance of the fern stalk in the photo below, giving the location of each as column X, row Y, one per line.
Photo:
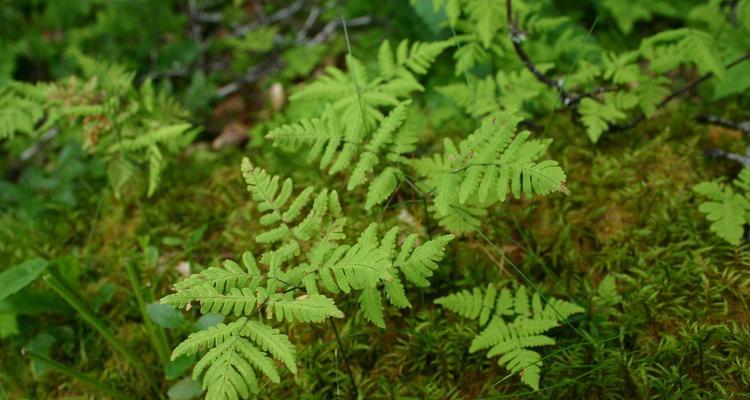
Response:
column 85, row 379
column 156, row 333
column 87, row 315
column 354, row 75
column 355, row 391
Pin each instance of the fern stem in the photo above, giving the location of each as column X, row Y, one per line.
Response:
column 89, row 317
column 85, row 379
column 355, row 392
column 156, row 334
column 532, row 286
column 354, row 75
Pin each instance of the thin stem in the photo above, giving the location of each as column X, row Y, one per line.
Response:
column 533, row 287
column 156, row 333
column 355, row 392
column 350, row 62
column 517, row 36
column 725, row 122
column 89, row 317
column 85, row 379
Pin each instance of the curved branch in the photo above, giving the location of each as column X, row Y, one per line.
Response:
column 744, row 127
column 517, row 36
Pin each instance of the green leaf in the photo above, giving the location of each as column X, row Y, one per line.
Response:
column 8, row 325
column 381, row 188
column 371, row 302
column 185, row 389
column 207, row 321
column 164, row 315
column 19, row 276
column 726, row 209
column 119, row 172
column 175, row 368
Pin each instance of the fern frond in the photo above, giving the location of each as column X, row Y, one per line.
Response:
column 358, row 267
column 598, row 116
column 466, row 303
column 670, row 48
column 728, row 211
column 228, row 374
column 488, row 16
column 20, row 109
column 270, row 340
column 420, row 56
column 382, row 187
column 418, row 265
column 490, row 164
column 306, row 308
column 511, row 340
column 371, row 302
column 209, row 338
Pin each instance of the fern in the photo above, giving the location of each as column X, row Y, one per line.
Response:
column 304, row 256
column 727, row 210
column 129, row 128
column 605, row 89
column 488, row 16
column 362, row 120
column 486, row 167
column 668, row 49
column 598, row 116
column 511, row 340
column 626, row 14
column 21, row 109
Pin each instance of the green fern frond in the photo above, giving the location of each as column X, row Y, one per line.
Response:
column 511, row 340
column 306, row 308
column 670, row 48
column 598, row 116
column 491, row 163
column 418, row 265
column 488, row 15
column 302, row 255
column 728, row 211
column 382, row 187
column 21, row 108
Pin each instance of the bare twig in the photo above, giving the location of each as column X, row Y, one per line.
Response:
column 743, row 159
column 309, row 22
column 330, row 27
column 209, row 18
column 273, row 61
column 39, row 144
column 744, row 127
column 282, row 14
column 517, row 37
column 196, row 31
column 270, row 63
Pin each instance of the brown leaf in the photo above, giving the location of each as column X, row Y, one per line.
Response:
column 233, row 133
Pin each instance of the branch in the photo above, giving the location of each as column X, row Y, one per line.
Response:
column 330, row 27
column 282, row 14
column 273, row 61
column 744, row 127
column 517, row 36
column 740, row 158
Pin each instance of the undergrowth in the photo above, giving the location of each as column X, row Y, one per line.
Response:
column 499, row 206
